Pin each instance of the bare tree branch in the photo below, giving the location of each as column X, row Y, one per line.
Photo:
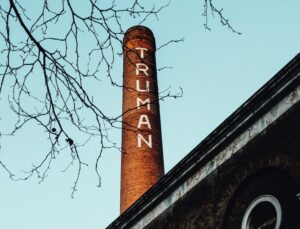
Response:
column 58, row 57
column 210, row 9
column 58, row 49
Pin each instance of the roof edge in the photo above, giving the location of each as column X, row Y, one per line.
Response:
column 260, row 102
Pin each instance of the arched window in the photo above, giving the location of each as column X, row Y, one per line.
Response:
column 264, row 212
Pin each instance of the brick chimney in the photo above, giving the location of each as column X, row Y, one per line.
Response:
column 142, row 154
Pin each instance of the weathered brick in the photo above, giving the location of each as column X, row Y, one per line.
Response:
column 142, row 166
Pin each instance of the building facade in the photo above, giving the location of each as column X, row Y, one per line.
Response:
column 245, row 174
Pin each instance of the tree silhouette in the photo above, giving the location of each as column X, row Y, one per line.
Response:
column 49, row 40
column 211, row 10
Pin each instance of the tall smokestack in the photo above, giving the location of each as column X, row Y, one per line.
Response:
column 142, row 154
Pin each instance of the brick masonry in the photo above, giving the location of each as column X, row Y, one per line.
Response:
column 142, row 154
column 269, row 164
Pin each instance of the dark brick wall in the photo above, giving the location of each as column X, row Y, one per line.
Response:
column 269, row 164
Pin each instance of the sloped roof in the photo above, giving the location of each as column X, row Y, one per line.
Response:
column 285, row 81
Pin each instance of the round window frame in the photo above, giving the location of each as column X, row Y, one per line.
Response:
column 263, row 198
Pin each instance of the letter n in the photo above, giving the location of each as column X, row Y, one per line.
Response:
column 140, row 138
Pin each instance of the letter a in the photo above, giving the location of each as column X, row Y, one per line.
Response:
column 144, row 120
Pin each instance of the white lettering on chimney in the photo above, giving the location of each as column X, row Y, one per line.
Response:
column 141, row 138
column 142, row 68
column 142, row 51
column 144, row 120
column 140, row 102
column 138, row 86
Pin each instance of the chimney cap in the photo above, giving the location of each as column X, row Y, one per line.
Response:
column 138, row 32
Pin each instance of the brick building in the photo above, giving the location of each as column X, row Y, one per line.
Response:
column 245, row 174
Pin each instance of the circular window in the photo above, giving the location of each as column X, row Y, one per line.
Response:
column 263, row 213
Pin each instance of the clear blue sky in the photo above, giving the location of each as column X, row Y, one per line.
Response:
column 218, row 71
